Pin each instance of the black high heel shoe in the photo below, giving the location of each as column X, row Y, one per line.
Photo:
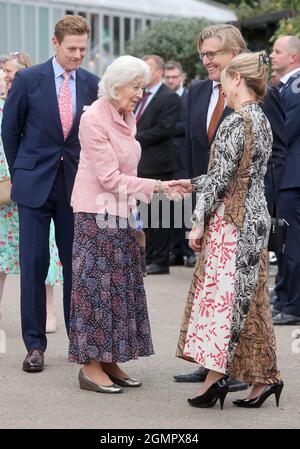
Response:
column 218, row 390
column 275, row 388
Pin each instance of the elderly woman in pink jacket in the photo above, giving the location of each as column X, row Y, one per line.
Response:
column 109, row 317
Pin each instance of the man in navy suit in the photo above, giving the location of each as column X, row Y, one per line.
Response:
column 217, row 45
column 180, row 252
column 286, row 61
column 40, row 136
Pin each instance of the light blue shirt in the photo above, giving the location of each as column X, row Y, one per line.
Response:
column 180, row 91
column 58, row 74
column 153, row 91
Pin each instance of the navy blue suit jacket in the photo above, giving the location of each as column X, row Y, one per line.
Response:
column 290, row 95
column 32, row 132
column 197, row 144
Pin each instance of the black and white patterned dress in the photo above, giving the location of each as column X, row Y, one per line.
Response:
column 231, row 203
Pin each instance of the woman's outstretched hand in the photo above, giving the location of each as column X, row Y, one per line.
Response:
column 195, row 237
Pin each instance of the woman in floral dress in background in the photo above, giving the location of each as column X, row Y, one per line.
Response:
column 9, row 233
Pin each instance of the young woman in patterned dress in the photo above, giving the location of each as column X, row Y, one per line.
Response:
column 227, row 326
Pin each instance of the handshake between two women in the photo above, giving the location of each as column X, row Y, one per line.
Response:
column 174, row 190
column 177, row 190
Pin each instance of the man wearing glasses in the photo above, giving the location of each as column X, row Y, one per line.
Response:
column 206, row 109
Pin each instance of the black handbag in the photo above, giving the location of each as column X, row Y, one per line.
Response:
column 278, row 226
column 277, row 235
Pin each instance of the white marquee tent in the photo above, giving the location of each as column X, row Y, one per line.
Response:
column 180, row 8
column 27, row 25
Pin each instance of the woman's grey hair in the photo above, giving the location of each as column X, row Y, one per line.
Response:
column 121, row 72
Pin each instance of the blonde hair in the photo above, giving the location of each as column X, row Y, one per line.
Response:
column 253, row 67
column 21, row 59
column 121, row 72
column 71, row 25
column 230, row 37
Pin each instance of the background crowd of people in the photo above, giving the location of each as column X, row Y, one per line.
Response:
column 89, row 159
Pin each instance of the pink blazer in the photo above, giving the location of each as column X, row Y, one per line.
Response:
column 106, row 180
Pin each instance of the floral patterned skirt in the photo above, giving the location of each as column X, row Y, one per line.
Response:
column 209, row 327
column 206, row 327
column 55, row 276
column 9, row 246
column 109, row 318
column 9, row 239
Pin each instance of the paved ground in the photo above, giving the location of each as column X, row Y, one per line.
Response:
column 52, row 399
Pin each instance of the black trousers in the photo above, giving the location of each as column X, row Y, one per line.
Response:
column 288, row 284
column 157, row 226
column 34, row 225
column 181, row 211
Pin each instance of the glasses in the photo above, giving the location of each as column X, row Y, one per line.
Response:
column 209, row 54
column 174, row 77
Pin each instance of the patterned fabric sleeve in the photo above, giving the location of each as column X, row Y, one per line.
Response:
column 4, row 173
column 228, row 149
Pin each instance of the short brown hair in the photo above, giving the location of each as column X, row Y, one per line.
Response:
column 231, row 38
column 171, row 65
column 160, row 63
column 69, row 25
column 254, row 70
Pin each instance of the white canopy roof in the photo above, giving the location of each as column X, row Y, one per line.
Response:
column 177, row 8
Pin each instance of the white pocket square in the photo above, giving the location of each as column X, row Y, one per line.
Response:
column 85, row 107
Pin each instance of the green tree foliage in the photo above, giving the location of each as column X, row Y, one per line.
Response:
column 288, row 26
column 172, row 39
column 252, row 8
column 246, row 9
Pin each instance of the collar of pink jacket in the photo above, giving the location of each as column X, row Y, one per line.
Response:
column 128, row 121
